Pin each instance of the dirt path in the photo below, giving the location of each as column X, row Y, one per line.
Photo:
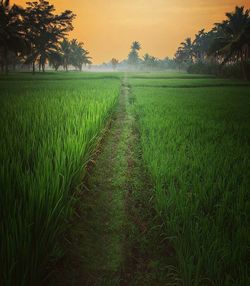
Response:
column 111, row 240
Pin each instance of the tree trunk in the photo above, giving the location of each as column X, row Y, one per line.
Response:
column 33, row 67
column 243, row 69
column 220, row 70
column 6, row 63
column 43, row 67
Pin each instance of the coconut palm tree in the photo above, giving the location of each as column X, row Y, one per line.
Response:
column 11, row 31
column 136, row 46
column 114, row 63
column 56, row 59
column 45, row 29
column 65, row 47
column 233, row 38
column 180, row 57
column 185, row 53
column 133, row 57
column 200, row 46
column 47, row 46
column 149, row 61
column 187, row 48
column 78, row 55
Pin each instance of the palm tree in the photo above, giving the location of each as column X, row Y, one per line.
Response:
column 233, row 38
column 45, row 30
column 136, row 46
column 65, row 47
column 133, row 57
column 11, row 31
column 78, row 55
column 180, row 57
column 56, row 59
column 149, row 61
column 185, row 53
column 200, row 46
column 114, row 63
column 47, row 46
column 187, row 48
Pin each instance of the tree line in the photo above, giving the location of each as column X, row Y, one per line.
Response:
column 134, row 62
column 37, row 36
column 226, row 47
column 224, row 50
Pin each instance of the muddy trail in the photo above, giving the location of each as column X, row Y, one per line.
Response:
column 113, row 240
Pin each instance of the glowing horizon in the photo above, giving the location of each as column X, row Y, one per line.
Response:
column 108, row 28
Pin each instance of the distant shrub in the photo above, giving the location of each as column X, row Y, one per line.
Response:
column 235, row 70
column 204, row 68
column 228, row 71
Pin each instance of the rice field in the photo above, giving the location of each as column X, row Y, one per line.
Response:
column 195, row 146
column 50, row 126
column 194, row 134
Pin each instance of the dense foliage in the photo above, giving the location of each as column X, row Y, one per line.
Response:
column 37, row 36
column 223, row 50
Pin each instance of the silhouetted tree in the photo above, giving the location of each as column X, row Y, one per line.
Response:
column 233, row 38
column 133, row 57
column 187, row 49
column 37, row 35
column 78, row 55
column 114, row 63
column 56, row 59
column 180, row 57
column 11, row 32
column 200, row 46
column 65, row 47
column 227, row 44
column 136, row 46
column 45, row 29
column 149, row 61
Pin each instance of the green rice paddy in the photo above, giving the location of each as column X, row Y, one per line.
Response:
column 194, row 135
column 195, row 144
column 49, row 129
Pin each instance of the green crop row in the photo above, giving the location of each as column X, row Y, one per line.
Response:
column 49, row 130
column 195, row 145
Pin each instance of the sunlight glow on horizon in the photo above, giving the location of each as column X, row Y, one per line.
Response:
column 107, row 28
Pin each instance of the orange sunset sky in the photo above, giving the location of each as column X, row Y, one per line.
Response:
column 107, row 27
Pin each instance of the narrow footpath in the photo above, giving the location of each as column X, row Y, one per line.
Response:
column 111, row 242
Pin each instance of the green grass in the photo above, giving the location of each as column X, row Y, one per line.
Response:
column 166, row 75
column 52, row 76
column 49, row 130
column 194, row 142
column 195, row 145
column 185, row 82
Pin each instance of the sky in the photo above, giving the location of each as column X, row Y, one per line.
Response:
column 108, row 27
